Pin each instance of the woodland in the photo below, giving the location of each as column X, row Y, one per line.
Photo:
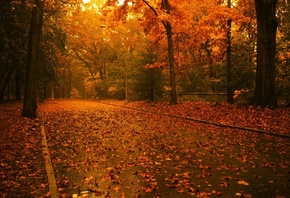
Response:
column 206, row 87
column 236, row 51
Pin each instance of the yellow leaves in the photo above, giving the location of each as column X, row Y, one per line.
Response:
column 242, row 182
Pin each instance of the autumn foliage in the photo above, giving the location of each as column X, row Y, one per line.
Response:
column 115, row 151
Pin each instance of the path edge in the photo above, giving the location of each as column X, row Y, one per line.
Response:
column 48, row 166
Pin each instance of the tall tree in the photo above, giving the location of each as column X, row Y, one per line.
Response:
column 265, row 91
column 230, row 91
column 29, row 105
column 167, row 25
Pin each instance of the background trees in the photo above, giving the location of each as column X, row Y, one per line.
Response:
column 14, row 26
column 119, row 49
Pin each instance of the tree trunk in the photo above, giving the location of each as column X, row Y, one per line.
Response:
column 45, row 91
column 8, row 89
column 52, row 91
column 165, row 6
column 6, row 79
column 126, row 78
column 17, row 85
column 151, row 84
column 29, row 105
column 168, row 27
column 230, row 91
column 69, row 83
column 265, row 91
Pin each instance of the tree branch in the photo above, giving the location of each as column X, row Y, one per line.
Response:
column 155, row 12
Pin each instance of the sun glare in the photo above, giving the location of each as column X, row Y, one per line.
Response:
column 86, row 1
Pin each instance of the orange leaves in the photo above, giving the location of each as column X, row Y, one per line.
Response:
column 212, row 27
column 117, row 188
column 242, row 182
column 21, row 161
column 271, row 120
column 119, row 152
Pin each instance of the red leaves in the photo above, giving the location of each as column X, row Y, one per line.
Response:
column 117, row 152
column 21, row 160
column 271, row 120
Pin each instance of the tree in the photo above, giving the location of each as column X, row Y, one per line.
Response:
column 265, row 91
column 230, row 91
column 159, row 12
column 14, row 18
column 166, row 9
column 283, row 46
column 29, row 105
column 168, row 27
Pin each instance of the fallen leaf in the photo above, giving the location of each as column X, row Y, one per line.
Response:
column 242, row 182
column 117, row 188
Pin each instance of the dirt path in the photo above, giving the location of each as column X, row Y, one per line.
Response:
column 116, row 152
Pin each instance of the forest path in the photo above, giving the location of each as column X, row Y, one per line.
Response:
column 117, row 152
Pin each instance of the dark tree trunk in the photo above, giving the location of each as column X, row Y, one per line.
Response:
column 17, row 85
column 168, row 27
column 151, row 84
column 29, row 105
column 230, row 91
column 265, row 91
column 165, row 6
column 8, row 89
column 45, row 91
column 6, row 78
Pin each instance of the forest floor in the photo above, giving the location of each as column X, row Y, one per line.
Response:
column 114, row 152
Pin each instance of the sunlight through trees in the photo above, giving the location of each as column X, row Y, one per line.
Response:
column 83, row 47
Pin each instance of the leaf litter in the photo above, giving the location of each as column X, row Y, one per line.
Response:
column 117, row 152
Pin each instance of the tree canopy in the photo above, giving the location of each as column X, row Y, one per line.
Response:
column 98, row 48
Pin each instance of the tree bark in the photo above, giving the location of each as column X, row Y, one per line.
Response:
column 29, row 105
column 168, row 27
column 166, row 6
column 230, row 91
column 151, row 84
column 17, row 85
column 6, row 78
column 265, row 91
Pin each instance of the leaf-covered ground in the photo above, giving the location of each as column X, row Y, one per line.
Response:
column 22, row 170
column 120, row 152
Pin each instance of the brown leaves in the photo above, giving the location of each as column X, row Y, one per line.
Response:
column 118, row 152
column 271, row 120
column 21, row 161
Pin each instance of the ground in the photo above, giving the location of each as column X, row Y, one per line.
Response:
column 123, row 150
